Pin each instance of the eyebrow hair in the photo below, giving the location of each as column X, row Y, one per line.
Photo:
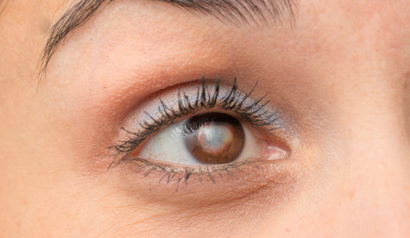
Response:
column 3, row 4
column 232, row 11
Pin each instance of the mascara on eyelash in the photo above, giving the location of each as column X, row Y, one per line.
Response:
column 184, row 174
column 233, row 100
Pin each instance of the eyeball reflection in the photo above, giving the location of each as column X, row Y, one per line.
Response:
column 214, row 138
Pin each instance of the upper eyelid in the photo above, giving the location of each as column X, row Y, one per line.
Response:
column 229, row 98
column 233, row 99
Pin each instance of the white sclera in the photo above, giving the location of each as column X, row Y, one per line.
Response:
column 169, row 146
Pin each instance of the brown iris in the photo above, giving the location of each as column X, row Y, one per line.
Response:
column 214, row 138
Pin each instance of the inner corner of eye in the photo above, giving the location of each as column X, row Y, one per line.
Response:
column 209, row 138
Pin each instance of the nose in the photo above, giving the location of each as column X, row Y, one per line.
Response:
column 373, row 182
column 361, row 185
column 377, row 183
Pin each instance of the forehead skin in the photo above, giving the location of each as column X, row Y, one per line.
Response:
column 39, row 17
column 342, row 69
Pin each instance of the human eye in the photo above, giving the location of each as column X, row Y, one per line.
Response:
column 205, row 133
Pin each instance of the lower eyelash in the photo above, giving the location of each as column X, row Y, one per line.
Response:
column 171, row 174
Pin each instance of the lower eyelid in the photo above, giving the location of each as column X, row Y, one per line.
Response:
column 166, row 186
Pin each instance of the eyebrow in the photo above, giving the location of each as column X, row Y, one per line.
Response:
column 230, row 11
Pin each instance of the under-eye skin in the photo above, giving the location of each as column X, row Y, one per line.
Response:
column 208, row 134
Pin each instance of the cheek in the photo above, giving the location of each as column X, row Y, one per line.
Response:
column 407, row 104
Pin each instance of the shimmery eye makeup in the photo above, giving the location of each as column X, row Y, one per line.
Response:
column 204, row 135
column 232, row 100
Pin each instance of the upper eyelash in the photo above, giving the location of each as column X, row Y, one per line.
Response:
column 255, row 113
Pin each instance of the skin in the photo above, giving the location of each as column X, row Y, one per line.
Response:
column 340, row 75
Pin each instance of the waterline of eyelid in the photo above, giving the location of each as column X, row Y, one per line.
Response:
column 171, row 174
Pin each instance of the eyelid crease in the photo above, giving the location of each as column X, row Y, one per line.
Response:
column 234, row 100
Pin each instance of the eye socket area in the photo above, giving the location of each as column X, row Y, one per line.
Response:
column 165, row 169
column 163, row 165
column 261, row 170
column 210, row 139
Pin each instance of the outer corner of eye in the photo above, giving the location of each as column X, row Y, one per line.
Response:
column 266, row 146
column 276, row 152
